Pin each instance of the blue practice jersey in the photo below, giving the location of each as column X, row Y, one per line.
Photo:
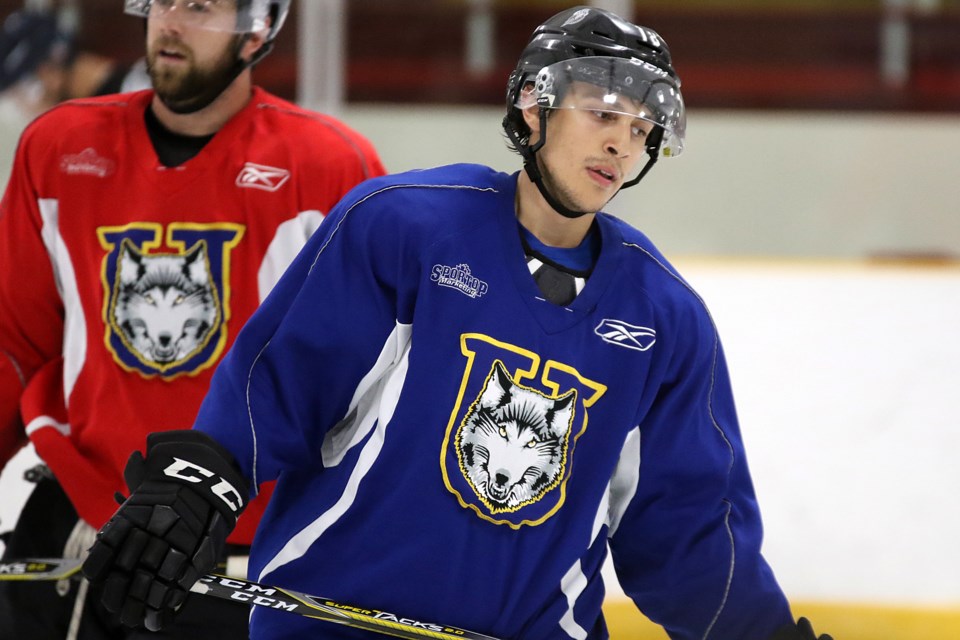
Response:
column 449, row 446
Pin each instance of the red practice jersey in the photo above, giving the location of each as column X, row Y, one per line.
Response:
column 123, row 282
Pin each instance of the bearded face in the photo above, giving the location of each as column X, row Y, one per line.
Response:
column 188, row 78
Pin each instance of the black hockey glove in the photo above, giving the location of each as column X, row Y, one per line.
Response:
column 186, row 496
column 803, row 631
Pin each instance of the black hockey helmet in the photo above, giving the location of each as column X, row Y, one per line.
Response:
column 27, row 40
column 587, row 44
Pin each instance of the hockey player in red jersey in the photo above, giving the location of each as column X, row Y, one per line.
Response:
column 137, row 234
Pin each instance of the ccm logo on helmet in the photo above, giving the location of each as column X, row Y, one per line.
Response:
column 190, row 472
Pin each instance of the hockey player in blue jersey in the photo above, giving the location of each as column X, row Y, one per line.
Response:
column 469, row 386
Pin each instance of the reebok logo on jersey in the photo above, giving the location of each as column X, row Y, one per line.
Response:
column 86, row 163
column 459, row 278
column 626, row 335
column 260, row 176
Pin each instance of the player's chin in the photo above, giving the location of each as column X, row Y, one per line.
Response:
column 168, row 82
column 595, row 200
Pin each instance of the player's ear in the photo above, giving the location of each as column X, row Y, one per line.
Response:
column 531, row 115
column 251, row 45
column 254, row 41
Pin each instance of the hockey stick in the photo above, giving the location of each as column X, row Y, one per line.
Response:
column 252, row 593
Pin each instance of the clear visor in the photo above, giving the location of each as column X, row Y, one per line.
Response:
column 213, row 15
column 616, row 85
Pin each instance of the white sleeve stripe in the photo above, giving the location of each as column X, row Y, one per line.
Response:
column 363, row 412
column 572, row 585
column 574, row 582
column 300, row 543
column 75, row 324
column 41, row 422
column 625, row 480
column 288, row 239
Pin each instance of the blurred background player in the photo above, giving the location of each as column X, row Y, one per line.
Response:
column 137, row 234
column 472, row 384
column 41, row 65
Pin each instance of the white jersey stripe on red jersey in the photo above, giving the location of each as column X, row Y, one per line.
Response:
column 287, row 241
column 46, row 421
column 75, row 329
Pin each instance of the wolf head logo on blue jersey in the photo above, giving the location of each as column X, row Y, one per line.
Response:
column 510, row 444
column 513, row 442
column 165, row 313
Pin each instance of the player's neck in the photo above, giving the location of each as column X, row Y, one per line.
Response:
column 539, row 218
column 211, row 118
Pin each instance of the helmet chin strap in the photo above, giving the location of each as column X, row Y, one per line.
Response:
column 530, row 165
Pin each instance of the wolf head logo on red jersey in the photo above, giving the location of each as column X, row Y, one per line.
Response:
column 167, row 305
column 165, row 312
